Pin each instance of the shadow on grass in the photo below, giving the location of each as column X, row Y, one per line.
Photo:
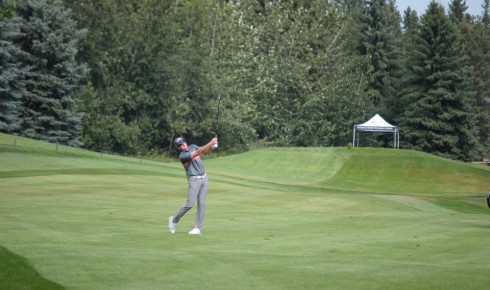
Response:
column 17, row 273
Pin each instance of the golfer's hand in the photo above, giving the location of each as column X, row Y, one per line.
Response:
column 214, row 141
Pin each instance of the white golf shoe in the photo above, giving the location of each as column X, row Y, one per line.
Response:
column 195, row 231
column 171, row 224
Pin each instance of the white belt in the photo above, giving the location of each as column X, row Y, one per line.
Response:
column 198, row 176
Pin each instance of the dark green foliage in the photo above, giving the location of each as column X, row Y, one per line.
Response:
column 303, row 84
column 7, row 9
column 12, row 71
column 486, row 14
column 457, row 9
column 50, row 38
column 411, row 29
column 157, row 70
column 288, row 73
column 376, row 42
column 479, row 47
column 439, row 113
column 118, row 54
column 476, row 35
column 381, row 42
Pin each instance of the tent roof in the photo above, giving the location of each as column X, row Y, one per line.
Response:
column 375, row 124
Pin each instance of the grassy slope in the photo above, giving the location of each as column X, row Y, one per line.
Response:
column 289, row 218
column 358, row 169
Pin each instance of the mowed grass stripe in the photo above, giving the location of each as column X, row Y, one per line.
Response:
column 282, row 165
column 77, row 171
column 416, row 203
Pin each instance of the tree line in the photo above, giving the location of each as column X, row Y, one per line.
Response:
column 129, row 76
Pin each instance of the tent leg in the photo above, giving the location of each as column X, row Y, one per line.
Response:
column 394, row 140
column 398, row 134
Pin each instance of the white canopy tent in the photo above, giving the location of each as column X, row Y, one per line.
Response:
column 377, row 125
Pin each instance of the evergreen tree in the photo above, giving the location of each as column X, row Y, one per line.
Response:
column 410, row 29
column 356, row 10
column 485, row 21
column 457, row 10
column 380, row 44
column 477, row 43
column 479, row 47
column 391, row 82
column 439, row 114
column 394, row 21
column 50, row 103
column 12, row 71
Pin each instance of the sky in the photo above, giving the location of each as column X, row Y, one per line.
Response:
column 474, row 6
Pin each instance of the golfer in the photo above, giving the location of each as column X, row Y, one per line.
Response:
column 197, row 182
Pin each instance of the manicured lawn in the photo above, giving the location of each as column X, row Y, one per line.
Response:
column 288, row 218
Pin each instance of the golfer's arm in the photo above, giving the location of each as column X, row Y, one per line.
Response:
column 202, row 149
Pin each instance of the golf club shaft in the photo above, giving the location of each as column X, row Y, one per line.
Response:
column 217, row 122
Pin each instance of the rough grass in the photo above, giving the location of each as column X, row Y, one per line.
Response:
column 289, row 218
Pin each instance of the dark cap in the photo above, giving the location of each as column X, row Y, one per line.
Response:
column 179, row 141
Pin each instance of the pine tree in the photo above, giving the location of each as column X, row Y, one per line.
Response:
column 477, row 43
column 12, row 72
column 479, row 47
column 391, row 90
column 486, row 14
column 410, row 29
column 457, row 9
column 439, row 114
column 382, row 47
column 50, row 37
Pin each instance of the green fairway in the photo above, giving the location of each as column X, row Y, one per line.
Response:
column 277, row 218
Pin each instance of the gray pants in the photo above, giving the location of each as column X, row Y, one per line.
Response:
column 196, row 190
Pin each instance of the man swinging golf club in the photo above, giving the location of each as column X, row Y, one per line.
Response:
column 197, row 182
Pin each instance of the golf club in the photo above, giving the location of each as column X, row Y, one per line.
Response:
column 217, row 123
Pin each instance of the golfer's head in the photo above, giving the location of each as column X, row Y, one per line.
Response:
column 180, row 143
